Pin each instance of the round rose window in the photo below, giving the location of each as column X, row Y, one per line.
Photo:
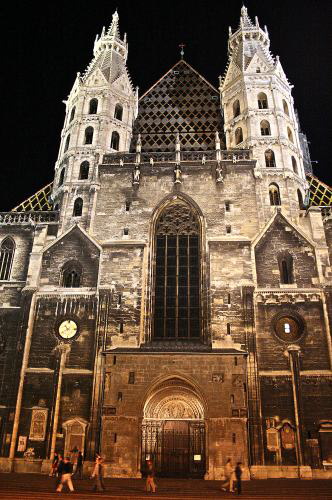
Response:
column 288, row 328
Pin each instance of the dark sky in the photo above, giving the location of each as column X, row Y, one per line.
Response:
column 47, row 46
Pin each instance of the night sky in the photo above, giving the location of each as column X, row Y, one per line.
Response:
column 46, row 47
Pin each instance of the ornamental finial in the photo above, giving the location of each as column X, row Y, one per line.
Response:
column 182, row 46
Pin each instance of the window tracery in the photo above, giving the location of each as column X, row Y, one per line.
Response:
column 177, row 274
column 7, row 251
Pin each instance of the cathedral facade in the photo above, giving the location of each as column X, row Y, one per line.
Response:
column 173, row 300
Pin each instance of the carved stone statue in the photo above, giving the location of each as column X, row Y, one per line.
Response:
column 219, row 176
column 136, row 175
column 177, row 175
column 234, row 159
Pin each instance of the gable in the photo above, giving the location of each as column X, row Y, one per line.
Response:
column 258, row 62
column 73, row 246
column 233, row 72
column 183, row 102
column 281, row 239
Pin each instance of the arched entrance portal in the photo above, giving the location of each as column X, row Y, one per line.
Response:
column 173, row 430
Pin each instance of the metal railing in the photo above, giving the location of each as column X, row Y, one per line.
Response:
column 170, row 156
column 28, row 217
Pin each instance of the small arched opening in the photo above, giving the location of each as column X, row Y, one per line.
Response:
column 66, row 143
column 238, row 136
column 78, row 207
column 115, row 141
column 290, row 135
column 118, row 112
column 62, row 177
column 269, row 158
column 285, row 107
column 84, row 170
column 236, row 108
column 300, row 200
column 88, row 135
column 286, row 269
column 294, row 165
column 72, row 114
column 262, row 100
column 265, row 128
column 93, row 106
column 71, row 275
column 274, row 195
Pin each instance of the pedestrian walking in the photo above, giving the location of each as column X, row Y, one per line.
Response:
column 150, row 484
column 66, row 473
column 238, row 475
column 229, row 477
column 58, row 472
column 54, row 465
column 79, row 466
column 98, row 473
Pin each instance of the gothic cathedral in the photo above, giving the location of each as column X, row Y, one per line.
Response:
column 169, row 295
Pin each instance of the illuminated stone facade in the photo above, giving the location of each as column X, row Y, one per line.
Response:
column 176, row 302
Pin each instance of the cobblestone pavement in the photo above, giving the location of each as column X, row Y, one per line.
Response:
column 38, row 487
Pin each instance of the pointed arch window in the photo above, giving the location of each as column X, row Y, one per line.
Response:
column 290, row 135
column 294, row 165
column 71, row 275
column 118, row 113
column 285, row 106
column 236, row 108
column 265, row 128
column 67, row 143
column 7, row 250
column 62, row 177
column 84, row 170
column 262, row 101
column 115, row 141
column 274, row 194
column 270, row 160
column 286, row 266
column 238, row 135
column 72, row 114
column 88, row 135
column 177, row 274
column 78, row 207
column 93, row 106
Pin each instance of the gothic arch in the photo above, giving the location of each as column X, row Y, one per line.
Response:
column 174, row 397
column 163, row 205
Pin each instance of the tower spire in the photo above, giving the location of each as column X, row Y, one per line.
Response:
column 114, row 30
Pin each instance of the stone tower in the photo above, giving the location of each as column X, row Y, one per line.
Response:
column 100, row 111
column 259, row 115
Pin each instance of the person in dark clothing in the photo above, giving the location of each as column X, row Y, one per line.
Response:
column 66, row 473
column 238, row 475
column 58, row 471
column 54, row 465
column 79, row 466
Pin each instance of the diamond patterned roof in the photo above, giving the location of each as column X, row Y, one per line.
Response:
column 181, row 101
column 39, row 201
column 319, row 193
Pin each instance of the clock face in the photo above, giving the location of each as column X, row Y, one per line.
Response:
column 68, row 329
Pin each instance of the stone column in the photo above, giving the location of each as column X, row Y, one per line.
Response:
column 64, row 349
column 25, row 361
column 294, row 354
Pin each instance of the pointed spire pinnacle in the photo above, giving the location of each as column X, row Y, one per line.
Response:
column 245, row 21
column 114, row 30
